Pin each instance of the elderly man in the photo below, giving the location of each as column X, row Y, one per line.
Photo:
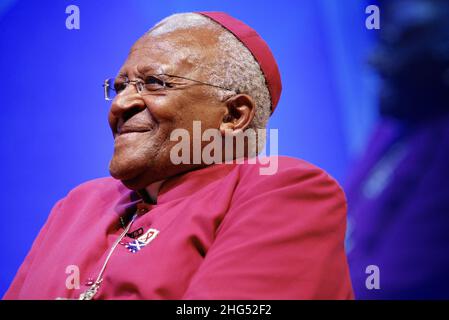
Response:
column 194, row 230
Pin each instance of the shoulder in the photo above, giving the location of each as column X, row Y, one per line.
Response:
column 100, row 189
column 281, row 171
column 97, row 185
column 90, row 196
column 296, row 187
column 277, row 165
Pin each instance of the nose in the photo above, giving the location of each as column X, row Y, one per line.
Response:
column 125, row 105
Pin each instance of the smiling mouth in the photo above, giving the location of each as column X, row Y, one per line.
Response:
column 127, row 126
column 133, row 130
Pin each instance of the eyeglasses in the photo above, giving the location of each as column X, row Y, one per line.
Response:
column 150, row 85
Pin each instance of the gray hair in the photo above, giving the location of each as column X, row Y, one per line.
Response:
column 234, row 67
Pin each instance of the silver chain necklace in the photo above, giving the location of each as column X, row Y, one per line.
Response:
column 93, row 289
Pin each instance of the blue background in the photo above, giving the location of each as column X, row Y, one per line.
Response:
column 54, row 119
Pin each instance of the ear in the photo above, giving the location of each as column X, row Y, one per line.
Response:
column 240, row 112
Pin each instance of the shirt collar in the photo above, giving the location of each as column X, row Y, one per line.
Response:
column 153, row 190
column 174, row 188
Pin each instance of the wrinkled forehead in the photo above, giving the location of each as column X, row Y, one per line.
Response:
column 185, row 51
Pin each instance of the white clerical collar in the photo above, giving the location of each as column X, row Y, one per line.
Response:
column 153, row 189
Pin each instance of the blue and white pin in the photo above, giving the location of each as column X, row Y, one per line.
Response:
column 137, row 244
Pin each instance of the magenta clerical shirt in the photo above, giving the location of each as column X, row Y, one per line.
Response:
column 222, row 232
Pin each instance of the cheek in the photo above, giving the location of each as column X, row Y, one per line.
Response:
column 178, row 110
column 210, row 116
column 171, row 112
column 164, row 107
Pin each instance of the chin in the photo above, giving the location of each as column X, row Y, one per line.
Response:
column 134, row 184
column 135, row 174
column 123, row 170
column 129, row 178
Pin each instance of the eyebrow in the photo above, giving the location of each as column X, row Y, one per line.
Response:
column 153, row 68
column 142, row 70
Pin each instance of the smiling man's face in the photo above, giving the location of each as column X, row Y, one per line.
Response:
column 142, row 124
